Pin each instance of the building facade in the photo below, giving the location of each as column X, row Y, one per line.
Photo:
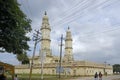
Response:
column 51, row 63
column 77, row 68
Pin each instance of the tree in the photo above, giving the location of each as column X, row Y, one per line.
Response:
column 23, row 58
column 116, row 68
column 14, row 25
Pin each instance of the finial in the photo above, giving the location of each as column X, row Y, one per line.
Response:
column 68, row 27
column 45, row 13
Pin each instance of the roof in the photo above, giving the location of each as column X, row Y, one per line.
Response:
column 8, row 67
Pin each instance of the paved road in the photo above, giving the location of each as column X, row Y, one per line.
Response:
column 114, row 77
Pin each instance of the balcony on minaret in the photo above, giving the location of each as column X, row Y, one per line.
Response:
column 45, row 39
column 45, row 27
column 68, row 47
column 68, row 35
column 45, row 22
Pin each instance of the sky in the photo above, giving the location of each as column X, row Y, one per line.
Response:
column 94, row 24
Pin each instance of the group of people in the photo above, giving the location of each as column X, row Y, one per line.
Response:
column 98, row 76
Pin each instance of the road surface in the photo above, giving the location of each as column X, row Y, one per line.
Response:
column 113, row 77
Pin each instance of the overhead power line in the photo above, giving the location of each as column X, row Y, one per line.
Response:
column 80, row 12
column 88, row 35
column 26, row 10
column 72, row 8
column 29, row 7
column 72, row 13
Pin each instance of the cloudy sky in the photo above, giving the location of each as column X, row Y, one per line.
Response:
column 95, row 27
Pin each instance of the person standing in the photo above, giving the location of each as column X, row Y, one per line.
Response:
column 96, row 76
column 100, row 76
column 16, row 78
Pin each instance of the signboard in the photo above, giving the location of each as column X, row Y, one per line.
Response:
column 67, row 70
column 59, row 69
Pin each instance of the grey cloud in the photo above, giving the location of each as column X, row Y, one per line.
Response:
column 94, row 37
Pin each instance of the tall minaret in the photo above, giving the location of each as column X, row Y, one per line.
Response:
column 45, row 41
column 68, row 57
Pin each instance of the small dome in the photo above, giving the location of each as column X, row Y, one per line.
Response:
column 45, row 17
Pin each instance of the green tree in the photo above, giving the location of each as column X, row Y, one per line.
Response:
column 13, row 27
column 116, row 68
column 23, row 58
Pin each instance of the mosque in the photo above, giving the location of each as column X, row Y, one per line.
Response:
column 68, row 65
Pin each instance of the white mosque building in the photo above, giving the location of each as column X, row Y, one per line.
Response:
column 69, row 65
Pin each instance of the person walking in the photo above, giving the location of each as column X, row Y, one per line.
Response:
column 100, row 76
column 96, row 76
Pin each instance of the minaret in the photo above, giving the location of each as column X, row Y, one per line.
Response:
column 45, row 40
column 68, row 57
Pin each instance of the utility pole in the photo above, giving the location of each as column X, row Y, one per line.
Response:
column 36, row 38
column 105, row 68
column 60, row 57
